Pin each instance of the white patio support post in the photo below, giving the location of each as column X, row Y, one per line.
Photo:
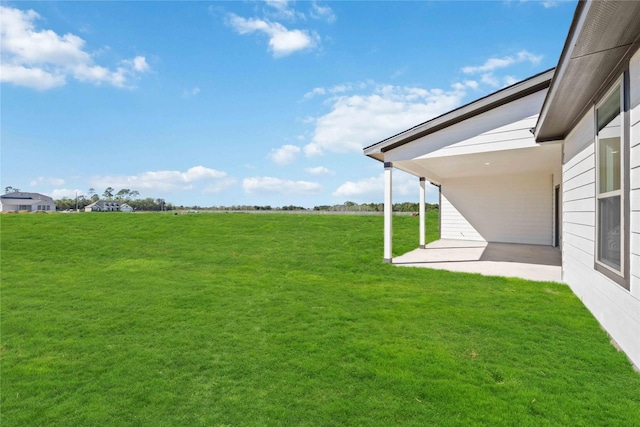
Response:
column 422, row 215
column 388, row 211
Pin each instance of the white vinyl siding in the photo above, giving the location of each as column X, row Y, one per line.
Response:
column 613, row 306
column 501, row 128
column 634, row 178
column 509, row 137
column 507, row 209
column 453, row 224
column 579, row 198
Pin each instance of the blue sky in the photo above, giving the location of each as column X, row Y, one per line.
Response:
column 247, row 102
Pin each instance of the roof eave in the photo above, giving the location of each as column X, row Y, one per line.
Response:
column 563, row 107
column 504, row 96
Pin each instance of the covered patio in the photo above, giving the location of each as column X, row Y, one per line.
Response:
column 499, row 190
column 530, row 262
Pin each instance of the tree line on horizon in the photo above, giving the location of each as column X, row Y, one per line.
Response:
column 131, row 197
column 347, row 206
column 125, row 195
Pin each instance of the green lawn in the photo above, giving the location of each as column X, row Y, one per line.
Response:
column 284, row 320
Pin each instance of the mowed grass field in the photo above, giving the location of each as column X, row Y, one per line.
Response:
column 284, row 320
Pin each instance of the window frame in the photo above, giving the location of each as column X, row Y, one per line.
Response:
column 620, row 276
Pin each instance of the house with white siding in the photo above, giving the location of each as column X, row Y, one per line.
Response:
column 103, row 206
column 22, row 201
column 553, row 160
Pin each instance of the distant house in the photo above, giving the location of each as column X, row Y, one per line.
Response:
column 125, row 208
column 553, row 160
column 103, row 206
column 20, row 201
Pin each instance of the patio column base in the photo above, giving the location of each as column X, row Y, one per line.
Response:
column 387, row 260
column 423, row 246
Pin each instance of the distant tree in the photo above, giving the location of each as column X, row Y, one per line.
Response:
column 292, row 208
column 160, row 203
column 11, row 189
column 83, row 202
column 91, row 192
column 134, row 194
column 123, row 194
column 108, row 193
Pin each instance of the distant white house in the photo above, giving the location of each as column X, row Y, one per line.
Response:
column 20, row 201
column 124, row 207
column 103, row 206
column 553, row 160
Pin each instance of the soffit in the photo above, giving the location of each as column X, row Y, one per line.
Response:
column 602, row 35
column 538, row 159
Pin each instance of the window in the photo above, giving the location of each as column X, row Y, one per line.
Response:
column 610, row 182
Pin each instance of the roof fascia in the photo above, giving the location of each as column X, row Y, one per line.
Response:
column 579, row 17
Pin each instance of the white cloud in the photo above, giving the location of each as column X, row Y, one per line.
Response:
column 313, row 150
column 61, row 193
column 372, row 189
column 471, row 83
column 37, row 181
column 42, row 59
column 139, row 63
column 187, row 93
column 165, row 180
column 373, row 186
column 282, row 10
column 399, row 72
column 356, row 121
column 493, row 64
column 285, row 154
column 219, row 185
column 335, row 89
column 56, row 181
column 490, row 79
column 34, row 78
column 41, row 180
column 282, row 42
column 266, row 184
column 319, row 170
column 509, row 80
column 322, row 12
column 314, row 92
column 278, row 4
column 360, row 120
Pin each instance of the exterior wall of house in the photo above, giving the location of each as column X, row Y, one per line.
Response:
column 28, row 202
column 507, row 209
column 511, row 136
column 634, row 164
column 617, row 309
column 504, row 127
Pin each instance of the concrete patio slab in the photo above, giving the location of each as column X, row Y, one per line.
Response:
column 531, row 262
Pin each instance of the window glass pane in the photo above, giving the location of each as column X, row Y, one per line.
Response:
column 609, row 164
column 609, row 232
column 609, row 110
column 609, row 135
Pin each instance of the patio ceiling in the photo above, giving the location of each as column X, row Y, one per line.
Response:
column 542, row 158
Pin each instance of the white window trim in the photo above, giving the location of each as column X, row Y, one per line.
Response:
column 618, row 84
